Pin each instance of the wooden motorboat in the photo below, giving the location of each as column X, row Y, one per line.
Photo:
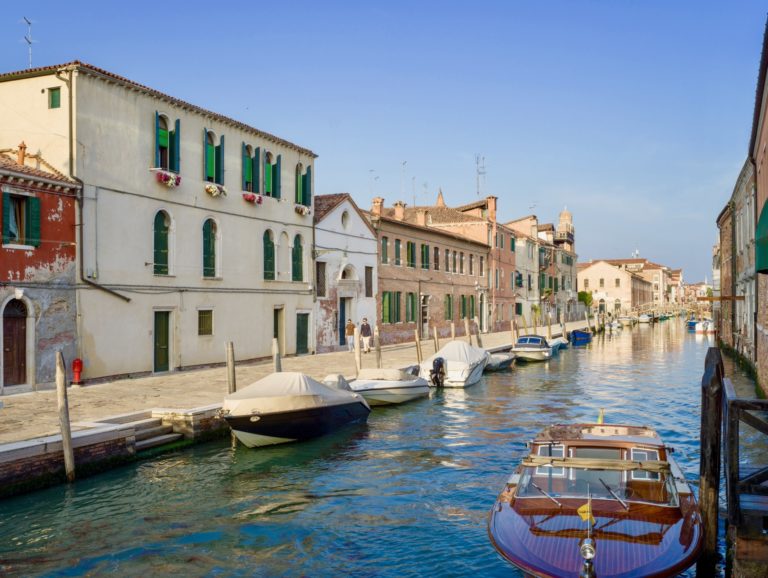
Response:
column 597, row 500
column 286, row 407
column 457, row 364
column 386, row 386
column 500, row 361
column 581, row 336
column 532, row 348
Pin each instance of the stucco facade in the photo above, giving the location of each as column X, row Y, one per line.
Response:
column 213, row 281
column 614, row 290
column 723, row 281
column 346, row 272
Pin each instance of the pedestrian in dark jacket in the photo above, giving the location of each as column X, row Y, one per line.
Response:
column 365, row 333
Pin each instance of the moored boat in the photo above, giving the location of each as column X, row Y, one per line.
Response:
column 597, row 500
column 626, row 320
column 287, row 406
column 386, row 386
column 532, row 348
column 644, row 318
column 500, row 361
column 558, row 343
column 581, row 336
column 457, row 364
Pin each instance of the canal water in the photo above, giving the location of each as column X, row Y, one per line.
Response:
column 405, row 495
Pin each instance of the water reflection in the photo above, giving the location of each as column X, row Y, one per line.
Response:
column 406, row 494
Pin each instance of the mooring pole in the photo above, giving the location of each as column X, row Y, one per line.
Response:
column 418, row 345
column 709, row 465
column 358, row 351
column 377, row 345
column 66, row 431
column 477, row 335
column 466, row 330
column 437, row 338
column 231, row 383
column 277, row 364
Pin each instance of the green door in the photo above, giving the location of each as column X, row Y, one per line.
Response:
column 302, row 333
column 162, row 333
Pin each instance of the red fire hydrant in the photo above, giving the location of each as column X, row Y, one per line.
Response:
column 77, row 369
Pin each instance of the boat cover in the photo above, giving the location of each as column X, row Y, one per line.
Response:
column 286, row 391
column 386, row 374
column 458, row 352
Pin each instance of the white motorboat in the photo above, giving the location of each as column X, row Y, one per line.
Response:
column 386, row 386
column 558, row 343
column 626, row 320
column 532, row 348
column 500, row 361
column 644, row 318
column 287, row 407
column 457, row 364
column 706, row 326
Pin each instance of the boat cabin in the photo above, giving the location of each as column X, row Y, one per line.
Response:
column 532, row 341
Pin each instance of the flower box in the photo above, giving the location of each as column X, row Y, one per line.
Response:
column 170, row 180
column 215, row 190
column 253, row 198
column 301, row 209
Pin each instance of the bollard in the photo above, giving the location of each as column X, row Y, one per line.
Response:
column 66, row 431
column 231, row 383
column 436, row 338
column 377, row 345
column 358, row 351
column 466, row 330
column 277, row 365
column 418, row 345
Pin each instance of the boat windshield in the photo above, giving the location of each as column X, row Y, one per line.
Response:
column 622, row 486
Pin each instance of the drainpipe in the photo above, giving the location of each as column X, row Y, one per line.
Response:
column 68, row 81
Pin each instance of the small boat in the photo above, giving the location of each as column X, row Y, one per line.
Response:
column 500, row 361
column 581, row 336
column 457, row 364
column 558, row 343
column 532, row 348
column 385, row 386
column 597, row 500
column 644, row 318
column 615, row 325
column 626, row 320
column 706, row 326
column 691, row 324
column 286, row 407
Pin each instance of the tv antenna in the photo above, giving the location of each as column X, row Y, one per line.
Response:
column 28, row 39
column 480, row 172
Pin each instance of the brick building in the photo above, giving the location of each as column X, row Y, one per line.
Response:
column 724, row 310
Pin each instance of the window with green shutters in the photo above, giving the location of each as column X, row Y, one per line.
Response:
column 410, row 307
column 397, row 251
column 761, row 241
column 518, row 308
column 397, row 297
column 167, row 144
column 384, row 250
column 448, row 307
column 162, row 225
column 297, row 260
column 463, row 306
column 303, row 186
column 472, row 306
column 54, row 97
column 556, row 285
column 410, row 252
column 21, row 220
column 424, row 256
column 213, row 158
column 386, row 303
column 251, row 163
column 209, row 248
column 542, row 281
column 269, row 256
column 272, row 172
column 511, row 243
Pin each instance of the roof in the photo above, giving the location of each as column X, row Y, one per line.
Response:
column 324, row 204
column 434, row 230
column 88, row 68
column 759, row 92
column 9, row 164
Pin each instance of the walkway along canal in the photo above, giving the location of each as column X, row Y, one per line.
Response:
column 407, row 494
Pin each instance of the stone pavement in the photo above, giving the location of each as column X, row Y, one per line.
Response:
column 30, row 415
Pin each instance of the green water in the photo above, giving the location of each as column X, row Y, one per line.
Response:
column 405, row 495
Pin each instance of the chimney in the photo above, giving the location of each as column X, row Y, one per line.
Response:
column 378, row 203
column 440, row 199
column 421, row 217
column 399, row 210
column 22, row 153
column 492, row 208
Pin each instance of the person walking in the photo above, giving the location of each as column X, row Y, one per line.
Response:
column 349, row 333
column 365, row 333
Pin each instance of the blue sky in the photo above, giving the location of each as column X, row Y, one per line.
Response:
column 634, row 114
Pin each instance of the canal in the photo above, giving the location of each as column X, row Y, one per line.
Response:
column 405, row 495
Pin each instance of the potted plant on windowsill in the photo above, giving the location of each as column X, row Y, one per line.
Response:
column 170, row 180
column 215, row 190
column 301, row 209
column 253, row 198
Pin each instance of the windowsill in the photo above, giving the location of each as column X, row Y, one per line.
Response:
column 217, row 278
column 169, row 275
column 14, row 246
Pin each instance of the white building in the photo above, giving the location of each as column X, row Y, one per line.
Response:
column 345, row 269
column 186, row 244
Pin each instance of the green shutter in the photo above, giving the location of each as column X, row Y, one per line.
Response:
column 33, row 222
column 385, row 299
column 175, row 151
column 472, row 306
column 298, row 199
column 398, row 297
column 247, row 168
column 6, row 218
column 157, row 139
column 397, row 251
column 761, row 241
column 384, row 250
column 297, row 256
column 161, row 245
column 267, row 177
column 256, row 164
column 276, row 178
column 162, row 138
column 219, row 177
column 269, row 257
column 209, row 249
column 308, row 187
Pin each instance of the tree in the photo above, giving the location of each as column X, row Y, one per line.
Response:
column 586, row 298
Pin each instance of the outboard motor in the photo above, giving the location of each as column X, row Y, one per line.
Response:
column 437, row 373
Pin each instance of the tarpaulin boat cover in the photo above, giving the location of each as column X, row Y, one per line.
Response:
column 286, row 391
column 385, row 374
column 458, row 352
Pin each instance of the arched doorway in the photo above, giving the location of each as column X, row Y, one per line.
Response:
column 14, row 343
column 601, row 306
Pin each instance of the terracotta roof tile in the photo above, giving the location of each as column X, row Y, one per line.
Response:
column 9, row 164
column 325, row 203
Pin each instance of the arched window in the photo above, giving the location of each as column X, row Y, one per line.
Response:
column 167, row 143
column 272, row 175
column 297, row 260
column 213, row 158
column 303, row 185
column 160, row 259
column 251, row 162
column 269, row 256
column 209, row 248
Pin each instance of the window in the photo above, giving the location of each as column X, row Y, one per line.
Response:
column 304, row 187
column 397, row 251
column 447, row 261
column 501, row 240
column 209, row 248
column 586, row 284
column 410, row 307
column 345, row 219
column 320, row 278
column 424, row 256
column 530, row 282
column 396, row 297
column 386, row 306
column 160, row 259
column 602, row 283
column 21, row 220
column 454, row 261
column 436, row 264
column 555, row 451
column 167, row 144
column 463, row 306
column 471, row 264
column 644, row 455
column 448, row 307
column 511, row 243
column 369, row 281
column 213, row 158
column 482, row 267
column 297, row 260
column 269, row 256
column 272, row 173
column 461, row 263
column 54, row 97
column 251, row 164
column 410, row 253
column 518, row 308
column 518, row 279
column 556, row 285
column 205, row 321
column 471, row 306
column 618, row 282
column 496, row 271
column 384, row 250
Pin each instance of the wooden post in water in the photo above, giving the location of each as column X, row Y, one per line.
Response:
column 417, row 341
column 277, row 364
column 453, row 331
column 477, row 335
column 466, row 330
column 513, row 330
column 549, row 328
column 525, row 325
column 709, row 464
column 231, row 382
column 586, row 317
column 358, row 351
column 66, row 431
column 437, row 338
column 377, row 345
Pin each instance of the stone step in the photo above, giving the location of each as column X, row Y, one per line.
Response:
column 150, row 422
column 152, row 432
column 157, row 441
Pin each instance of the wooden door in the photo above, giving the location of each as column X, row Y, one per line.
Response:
column 162, row 340
column 15, row 343
column 302, row 333
column 342, row 321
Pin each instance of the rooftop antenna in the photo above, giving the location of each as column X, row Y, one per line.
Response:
column 402, row 178
column 480, row 172
column 413, row 189
column 28, row 38
column 636, row 253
